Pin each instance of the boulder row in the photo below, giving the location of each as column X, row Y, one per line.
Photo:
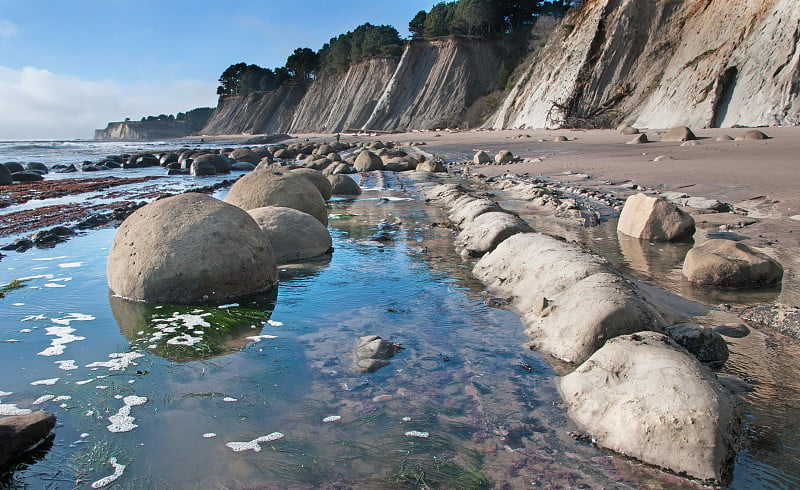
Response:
column 264, row 187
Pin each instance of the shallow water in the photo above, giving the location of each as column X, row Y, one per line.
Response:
column 489, row 407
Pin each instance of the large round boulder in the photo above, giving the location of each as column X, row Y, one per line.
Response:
column 318, row 179
column 13, row 167
column 485, row 232
column 221, row 163
column 431, row 166
column 21, row 433
column 678, row 133
column 366, row 161
column 5, row 176
column 187, row 249
column 202, row 168
column 730, row 264
column 481, row 158
column 294, row 235
column 643, row 396
column 342, row 185
column 245, row 155
column 652, row 218
column 263, row 187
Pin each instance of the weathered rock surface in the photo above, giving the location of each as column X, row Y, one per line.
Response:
column 20, row 433
column 372, row 353
column 782, row 317
column 643, row 396
column 704, row 343
column 294, row 235
column 651, row 218
column 263, row 187
column 317, row 178
column 481, row 158
column 367, row 161
column 488, row 230
column 550, row 281
column 190, row 248
column 730, row 264
column 436, row 166
column 677, row 134
column 752, row 135
column 471, row 209
column 504, row 156
column 342, row 185
column 695, row 62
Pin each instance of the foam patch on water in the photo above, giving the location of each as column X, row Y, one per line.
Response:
column 416, row 433
column 70, row 265
column 84, row 382
column 273, row 323
column 230, row 399
column 122, row 420
column 6, row 393
column 54, row 285
column 63, row 337
column 185, row 339
column 119, row 361
column 72, row 317
column 256, row 338
column 17, row 304
column 179, row 329
column 224, row 307
column 43, row 399
column 209, row 435
column 332, row 418
column 26, row 330
column 119, row 469
column 33, row 317
column 9, row 409
column 45, row 382
column 254, row 444
column 47, row 259
column 68, row 365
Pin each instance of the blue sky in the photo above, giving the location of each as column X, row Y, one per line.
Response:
column 68, row 67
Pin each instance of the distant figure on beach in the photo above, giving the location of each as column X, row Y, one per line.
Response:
column 338, row 136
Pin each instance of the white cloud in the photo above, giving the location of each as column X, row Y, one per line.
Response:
column 39, row 104
column 7, row 29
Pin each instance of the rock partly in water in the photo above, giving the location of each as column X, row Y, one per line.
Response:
column 366, row 161
column 550, row 281
column 294, row 235
column 190, row 248
column 264, row 187
column 730, row 264
column 641, row 395
column 432, row 166
column 342, row 185
column 704, row 343
column 372, row 353
column 21, row 433
column 317, row 178
column 783, row 318
column 487, row 231
column 652, row 218
column 5, row 176
column 471, row 209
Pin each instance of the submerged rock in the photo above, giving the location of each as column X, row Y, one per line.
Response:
column 372, row 353
column 20, row 433
column 730, row 264
column 642, row 396
column 652, row 218
column 342, row 185
column 190, row 248
column 704, row 343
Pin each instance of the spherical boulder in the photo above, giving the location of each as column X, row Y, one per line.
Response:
column 730, row 264
column 652, row 218
column 5, row 176
column 679, row 133
column 39, row 167
column 642, row 396
column 263, row 187
column 190, row 248
column 752, row 135
column 221, row 163
column 342, row 185
column 504, row 156
column 481, row 158
column 367, row 162
column 294, row 235
column 318, row 179
column 431, row 166
column 245, row 155
column 13, row 167
column 200, row 168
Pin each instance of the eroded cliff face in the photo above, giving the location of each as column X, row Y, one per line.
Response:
column 435, row 83
column 340, row 102
column 257, row 113
column 661, row 63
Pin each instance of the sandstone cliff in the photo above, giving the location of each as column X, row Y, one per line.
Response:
column 662, row 63
column 154, row 128
column 435, row 83
column 339, row 102
column 256, row 113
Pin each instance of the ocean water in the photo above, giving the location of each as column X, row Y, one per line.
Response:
column 260, row 394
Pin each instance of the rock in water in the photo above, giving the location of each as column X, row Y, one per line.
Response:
column 263, row 187
column 730, row 264
column 651, row 218
column 294, row 235
column 679, row 133
column 19, row 433
column 190, row 248
column 366, row 161
column 641, row 395
column 317, row 178
column 372, row 353
column 431, row 166
column 704, row 343
column 342, row 185
column 487, row 231
column 5, row 176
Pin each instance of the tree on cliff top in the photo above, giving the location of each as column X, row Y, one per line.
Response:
column 303, row 64
column 365, row 41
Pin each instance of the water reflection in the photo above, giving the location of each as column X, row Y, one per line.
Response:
column 191, row 332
